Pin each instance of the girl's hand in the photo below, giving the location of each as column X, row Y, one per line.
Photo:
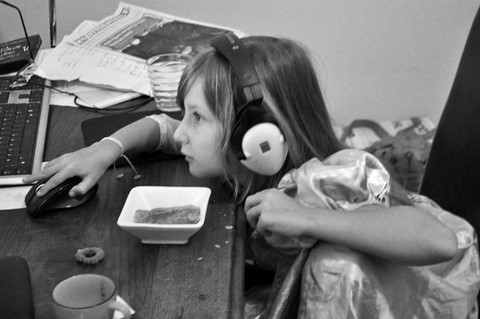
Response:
column 88, row 163
column 280, row 219
column 288, row 245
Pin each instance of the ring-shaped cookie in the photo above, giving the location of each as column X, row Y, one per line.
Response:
column 90, row 255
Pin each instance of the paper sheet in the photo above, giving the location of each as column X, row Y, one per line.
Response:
column 89, row 95
column 112, row 52
column 68, row 62
column 13, row 197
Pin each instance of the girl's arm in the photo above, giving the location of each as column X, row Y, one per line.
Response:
column 90, row 163
column 402, row 234
column 144, row 134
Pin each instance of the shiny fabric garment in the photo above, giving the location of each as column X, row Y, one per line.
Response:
column 338, row 282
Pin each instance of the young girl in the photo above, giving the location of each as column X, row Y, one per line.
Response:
column 378, row 251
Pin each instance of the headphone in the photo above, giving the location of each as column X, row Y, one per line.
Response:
column 256, row 139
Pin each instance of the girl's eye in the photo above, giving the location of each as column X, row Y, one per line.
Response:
column 196, row 117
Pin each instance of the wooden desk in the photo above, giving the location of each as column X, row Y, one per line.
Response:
column 202, row 279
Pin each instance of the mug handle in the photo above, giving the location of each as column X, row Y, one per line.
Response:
column 115, row 305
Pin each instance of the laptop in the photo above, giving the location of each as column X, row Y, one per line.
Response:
column 24, row 112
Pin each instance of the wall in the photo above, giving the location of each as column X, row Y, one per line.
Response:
column 376, row 59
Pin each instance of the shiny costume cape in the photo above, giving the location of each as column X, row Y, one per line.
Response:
column 338, row 282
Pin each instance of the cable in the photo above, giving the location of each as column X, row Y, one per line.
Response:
column 32, row 58
column 141, row 103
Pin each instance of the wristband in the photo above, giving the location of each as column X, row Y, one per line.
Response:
column 114, row 140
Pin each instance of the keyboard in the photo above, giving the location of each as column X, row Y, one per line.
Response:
column 24, row 114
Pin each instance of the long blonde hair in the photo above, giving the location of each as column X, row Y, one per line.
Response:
column 289, row 80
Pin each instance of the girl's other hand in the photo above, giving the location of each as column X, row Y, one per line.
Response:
column 276, row 216
column 88, row 163
column 290, row 245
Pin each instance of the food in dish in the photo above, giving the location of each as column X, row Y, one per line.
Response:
column 188, row 214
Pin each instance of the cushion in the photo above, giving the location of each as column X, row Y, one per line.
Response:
column 402, row 145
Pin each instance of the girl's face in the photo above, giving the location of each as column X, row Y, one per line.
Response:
column 198, row 134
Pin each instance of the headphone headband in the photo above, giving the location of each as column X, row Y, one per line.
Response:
column 232, row 49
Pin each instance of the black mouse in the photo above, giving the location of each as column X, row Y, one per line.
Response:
column 56, row 198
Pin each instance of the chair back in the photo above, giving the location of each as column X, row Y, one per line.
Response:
column 452, row 173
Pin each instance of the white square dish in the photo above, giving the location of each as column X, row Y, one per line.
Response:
column 151, row 197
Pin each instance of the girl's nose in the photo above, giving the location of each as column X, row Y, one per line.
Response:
column 179, row 135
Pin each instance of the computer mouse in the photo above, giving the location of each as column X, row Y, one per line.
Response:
column 56, row 198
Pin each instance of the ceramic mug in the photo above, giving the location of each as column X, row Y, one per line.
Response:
column 88, row 296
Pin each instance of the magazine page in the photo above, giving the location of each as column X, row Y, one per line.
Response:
column 143, row 33
column 112, row 52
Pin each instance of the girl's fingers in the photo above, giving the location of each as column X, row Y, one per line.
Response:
column 253, row 200
column 253, row 214
column 262, row 230
column 48, row 170
column 54, row 181
column 250, row 202
column 31, row 178
column 82, row 187
column 44, row 174
column 51, row 164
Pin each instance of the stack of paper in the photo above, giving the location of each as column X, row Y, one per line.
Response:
column 112, row 53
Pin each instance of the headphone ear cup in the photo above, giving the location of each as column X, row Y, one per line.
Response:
column 257, row 141
column 264, row 148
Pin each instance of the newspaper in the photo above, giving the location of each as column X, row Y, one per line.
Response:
column 112, row 52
